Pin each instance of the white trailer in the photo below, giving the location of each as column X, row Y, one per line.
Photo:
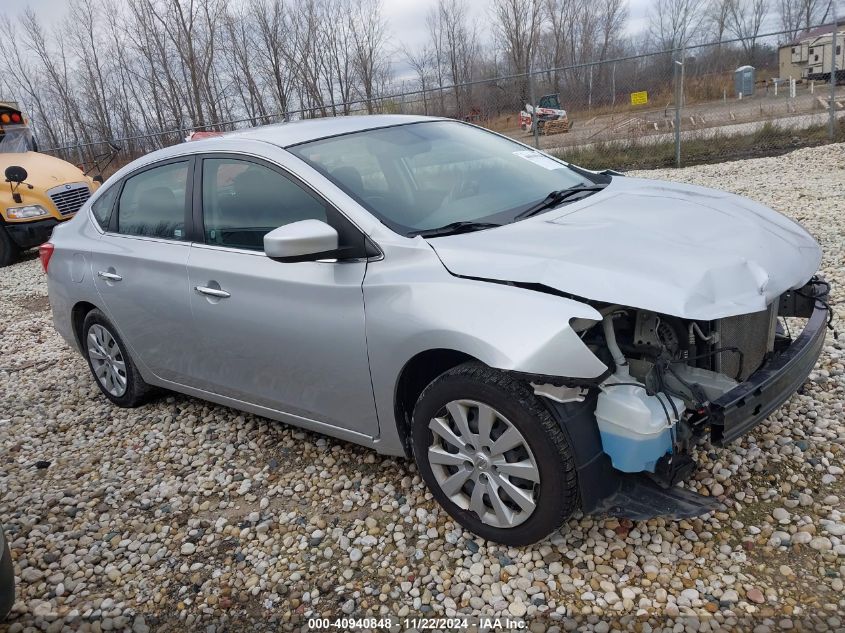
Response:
column 820, row 56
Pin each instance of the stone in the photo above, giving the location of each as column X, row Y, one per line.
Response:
column 755, row 595
column 517, row 608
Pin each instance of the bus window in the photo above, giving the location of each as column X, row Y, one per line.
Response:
column 16, row 140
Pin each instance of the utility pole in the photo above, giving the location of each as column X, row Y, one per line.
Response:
column 832, row 116
column 679, row 90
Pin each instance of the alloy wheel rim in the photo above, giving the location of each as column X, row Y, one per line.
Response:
column 107, row 360
column 483, row 463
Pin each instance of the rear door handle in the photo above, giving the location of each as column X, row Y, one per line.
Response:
column 109, row 276
column 212, row 292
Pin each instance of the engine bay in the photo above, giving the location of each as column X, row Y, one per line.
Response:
column 666, row 373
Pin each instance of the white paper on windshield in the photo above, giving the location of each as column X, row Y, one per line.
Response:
column 539, row 159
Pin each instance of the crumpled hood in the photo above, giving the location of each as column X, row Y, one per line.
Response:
column 677, row 249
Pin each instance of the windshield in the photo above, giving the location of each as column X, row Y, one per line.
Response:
column 422, row 176
column 16, row 140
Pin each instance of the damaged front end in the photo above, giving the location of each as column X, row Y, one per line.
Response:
column 674, row 381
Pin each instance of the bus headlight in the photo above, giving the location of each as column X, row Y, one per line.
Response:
column 29, row 211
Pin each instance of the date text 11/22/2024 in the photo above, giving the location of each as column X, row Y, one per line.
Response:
column 397, row 624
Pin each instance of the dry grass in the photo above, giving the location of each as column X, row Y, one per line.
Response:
column 770, row 140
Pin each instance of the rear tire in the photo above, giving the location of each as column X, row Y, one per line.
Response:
column 542, row 496
column 111, row 366
column 9, row 251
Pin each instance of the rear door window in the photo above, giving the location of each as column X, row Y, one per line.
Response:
column 152, row 203
column 104, row 205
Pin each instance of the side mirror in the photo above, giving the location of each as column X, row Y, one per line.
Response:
column 303, row 240
column 15, row 174
column 98, row 178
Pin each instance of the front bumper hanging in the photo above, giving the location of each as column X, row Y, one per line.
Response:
column 746, row 405
column 605, row 490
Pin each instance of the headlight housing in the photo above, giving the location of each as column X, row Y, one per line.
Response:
column 26, row 212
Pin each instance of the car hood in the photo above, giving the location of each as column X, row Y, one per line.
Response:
column 677, row 249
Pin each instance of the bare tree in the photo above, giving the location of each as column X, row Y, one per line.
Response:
column 674, row 24
column 21, row 78
column 423, row 64
column 455, row 47
column 369, row 36
column 745, row 19
column 717, row 16
column 518, row 24
column 305, row 56
column 162, row 67
column 816, row 12
column 240, row 43
column 273, row 40
column 565, row 43
column 88, row 48
column 800, row 15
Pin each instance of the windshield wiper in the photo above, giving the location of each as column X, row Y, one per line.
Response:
column 555, row 198
column 453, row 228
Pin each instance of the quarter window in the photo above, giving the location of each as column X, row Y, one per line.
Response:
column 104, row 205
column 152, row 203
column 243, row 201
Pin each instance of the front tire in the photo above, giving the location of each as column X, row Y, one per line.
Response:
column 112, row 367
column 493, row 456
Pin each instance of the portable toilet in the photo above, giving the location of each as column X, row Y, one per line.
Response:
column 744, row 80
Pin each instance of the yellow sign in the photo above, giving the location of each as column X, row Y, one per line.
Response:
column 639, row 98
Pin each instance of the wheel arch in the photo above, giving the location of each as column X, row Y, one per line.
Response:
column 77, row 317
column 417, row 373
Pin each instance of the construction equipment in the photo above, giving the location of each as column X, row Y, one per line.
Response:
column 548, row 110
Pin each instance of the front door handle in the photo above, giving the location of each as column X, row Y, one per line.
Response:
column 109, row 276
column 212, row 292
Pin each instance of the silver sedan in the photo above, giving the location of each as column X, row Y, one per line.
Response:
column 538, row 337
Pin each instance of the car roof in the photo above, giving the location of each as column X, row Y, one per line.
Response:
column 295, row 132
column 283, row 135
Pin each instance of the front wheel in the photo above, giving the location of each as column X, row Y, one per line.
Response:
column 493, row 456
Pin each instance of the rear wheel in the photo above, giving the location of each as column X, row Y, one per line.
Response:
column 493, row 456
column 110, row 363
column 9, row 251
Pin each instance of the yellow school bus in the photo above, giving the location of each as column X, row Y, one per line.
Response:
column 38, row 192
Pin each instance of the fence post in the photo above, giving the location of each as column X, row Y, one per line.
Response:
column 79, row 159
column 678, row 66
column 613, row 87
column 832, row 113
column 535, row 116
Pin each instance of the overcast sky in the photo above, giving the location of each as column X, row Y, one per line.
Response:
column 405, row 17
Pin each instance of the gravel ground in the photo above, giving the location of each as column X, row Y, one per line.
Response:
column 185, row 515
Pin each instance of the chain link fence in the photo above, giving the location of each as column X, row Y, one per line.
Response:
column 706, row 103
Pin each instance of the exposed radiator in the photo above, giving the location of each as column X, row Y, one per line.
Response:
column 753, row 333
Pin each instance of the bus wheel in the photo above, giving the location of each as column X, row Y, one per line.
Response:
column 8, row 249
